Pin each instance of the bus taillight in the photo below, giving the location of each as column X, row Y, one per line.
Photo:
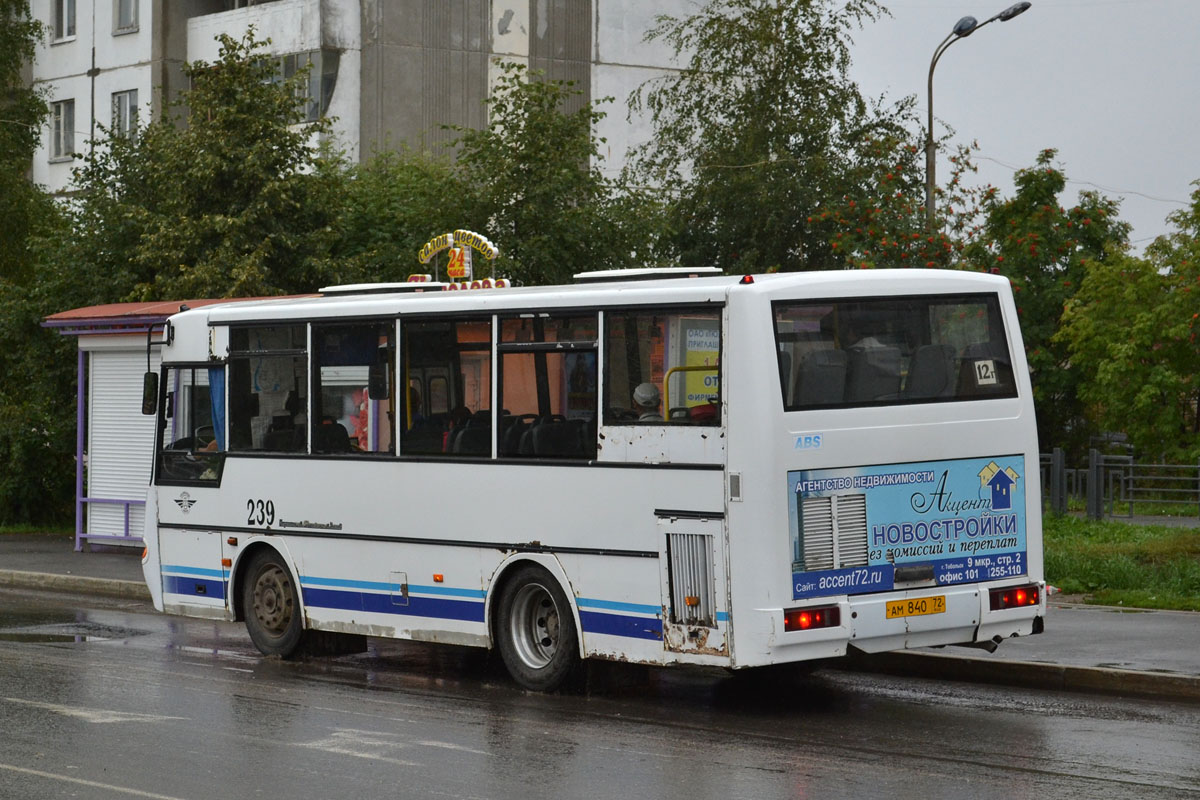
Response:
column 1015, row 597
column 805, row 619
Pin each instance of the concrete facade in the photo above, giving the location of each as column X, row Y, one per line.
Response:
column 394, row 71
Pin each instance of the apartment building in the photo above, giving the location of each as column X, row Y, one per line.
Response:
column 387, row 71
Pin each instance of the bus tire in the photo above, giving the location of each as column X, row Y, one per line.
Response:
column 535, row 631
column 272, row 605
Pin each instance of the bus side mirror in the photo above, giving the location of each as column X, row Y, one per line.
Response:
column 377, row 381
column 149, row 393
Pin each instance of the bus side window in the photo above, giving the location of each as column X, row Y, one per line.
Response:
column 662, row 367
column 268, row 388
column 445, row 404
column 191, row 437
column 346, row 417
column 548, row 385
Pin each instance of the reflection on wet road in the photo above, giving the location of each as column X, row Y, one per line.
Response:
column 110, row 700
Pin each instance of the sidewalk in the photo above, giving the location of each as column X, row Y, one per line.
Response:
column 1084, row 648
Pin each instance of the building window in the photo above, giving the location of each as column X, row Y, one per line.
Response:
column 125, row 16
column 64, row 19
column 62, row 115
column 317, row 94
column 124, row 114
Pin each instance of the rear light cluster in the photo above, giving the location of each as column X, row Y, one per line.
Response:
column 807, row 619
column 1015, row 597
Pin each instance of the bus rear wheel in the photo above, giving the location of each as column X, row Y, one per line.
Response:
column 271, row 604
column 536, row 632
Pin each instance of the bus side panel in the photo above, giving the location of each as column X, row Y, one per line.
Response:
column 193, row 580
column 409, row 549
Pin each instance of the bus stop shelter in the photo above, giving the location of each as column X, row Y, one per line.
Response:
column 114, row 441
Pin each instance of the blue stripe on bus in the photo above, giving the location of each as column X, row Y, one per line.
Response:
column 634, row 608
column 204, row 573
column 613, row 605
column 621, row 625
column 378, row 586
column 467, row 610
column 189, row 585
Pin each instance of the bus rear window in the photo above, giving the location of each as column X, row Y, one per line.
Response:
column 891, row 351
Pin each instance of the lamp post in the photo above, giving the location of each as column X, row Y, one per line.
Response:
column 962, row 29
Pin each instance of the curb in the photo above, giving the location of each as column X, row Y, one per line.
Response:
column 48, row 581
column 1029, row 674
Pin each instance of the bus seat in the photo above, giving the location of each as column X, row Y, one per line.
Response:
column 931, row 371
column 821, row 379
column 873, row 374
column 475, row 440
column 558, row 438
column 331, row 437
column 969, row 384
column 704, row 414
column 512, row 430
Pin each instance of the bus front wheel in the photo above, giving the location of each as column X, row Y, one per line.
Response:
column 271, row 605
column 536, row 630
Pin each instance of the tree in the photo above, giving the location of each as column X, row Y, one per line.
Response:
column 536, row 188
column 1132, row 331
column 886, row 226
column 22, row 112
column 763, row 131
column 228, row 195
column 394, row 203
column 1045, row 249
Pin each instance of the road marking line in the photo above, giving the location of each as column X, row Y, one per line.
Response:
column 95, row 715
column 82, row 782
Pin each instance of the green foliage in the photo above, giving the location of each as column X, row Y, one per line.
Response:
column 1044, row 249
column 394, row 204
column 237, row 202
column 1131, row 332
column 1117, row 563
column 37, row 387
column 22, row 112
column 763, row 130
column 886, row 225
column 535, row 187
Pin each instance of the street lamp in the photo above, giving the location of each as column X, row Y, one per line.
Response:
column 962, row 29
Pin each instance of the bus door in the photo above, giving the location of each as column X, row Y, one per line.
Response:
column 695, row 611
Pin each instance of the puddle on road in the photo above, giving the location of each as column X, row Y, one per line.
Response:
column 42, row 627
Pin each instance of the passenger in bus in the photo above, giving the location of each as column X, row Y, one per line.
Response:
column 646, row 401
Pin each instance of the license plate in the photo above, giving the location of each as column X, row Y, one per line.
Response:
column 916, row 607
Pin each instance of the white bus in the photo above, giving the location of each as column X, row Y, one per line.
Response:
column 711, row 470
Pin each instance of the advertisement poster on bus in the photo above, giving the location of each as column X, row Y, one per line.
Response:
column 851, row 528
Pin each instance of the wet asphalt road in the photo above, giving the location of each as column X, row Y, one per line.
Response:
column 107, row 699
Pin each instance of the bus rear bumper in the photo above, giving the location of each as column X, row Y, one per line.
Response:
column 967, row 619
column 926, row 617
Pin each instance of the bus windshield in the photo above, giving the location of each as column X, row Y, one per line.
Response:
column 889, row 351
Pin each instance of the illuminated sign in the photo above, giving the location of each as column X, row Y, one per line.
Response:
column 459, row 239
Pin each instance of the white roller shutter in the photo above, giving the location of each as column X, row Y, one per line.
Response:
column 120, row 442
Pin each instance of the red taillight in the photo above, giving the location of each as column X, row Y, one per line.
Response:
column 806, row 619
column 1015, row 597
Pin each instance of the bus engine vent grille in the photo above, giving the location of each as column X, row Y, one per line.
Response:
column 852, row 530
column 817, row 524
column 834, row 532
column 691, row 574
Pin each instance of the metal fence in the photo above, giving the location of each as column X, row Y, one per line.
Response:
column 1116, row 485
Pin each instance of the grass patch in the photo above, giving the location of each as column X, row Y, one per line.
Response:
column 1116, row 563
